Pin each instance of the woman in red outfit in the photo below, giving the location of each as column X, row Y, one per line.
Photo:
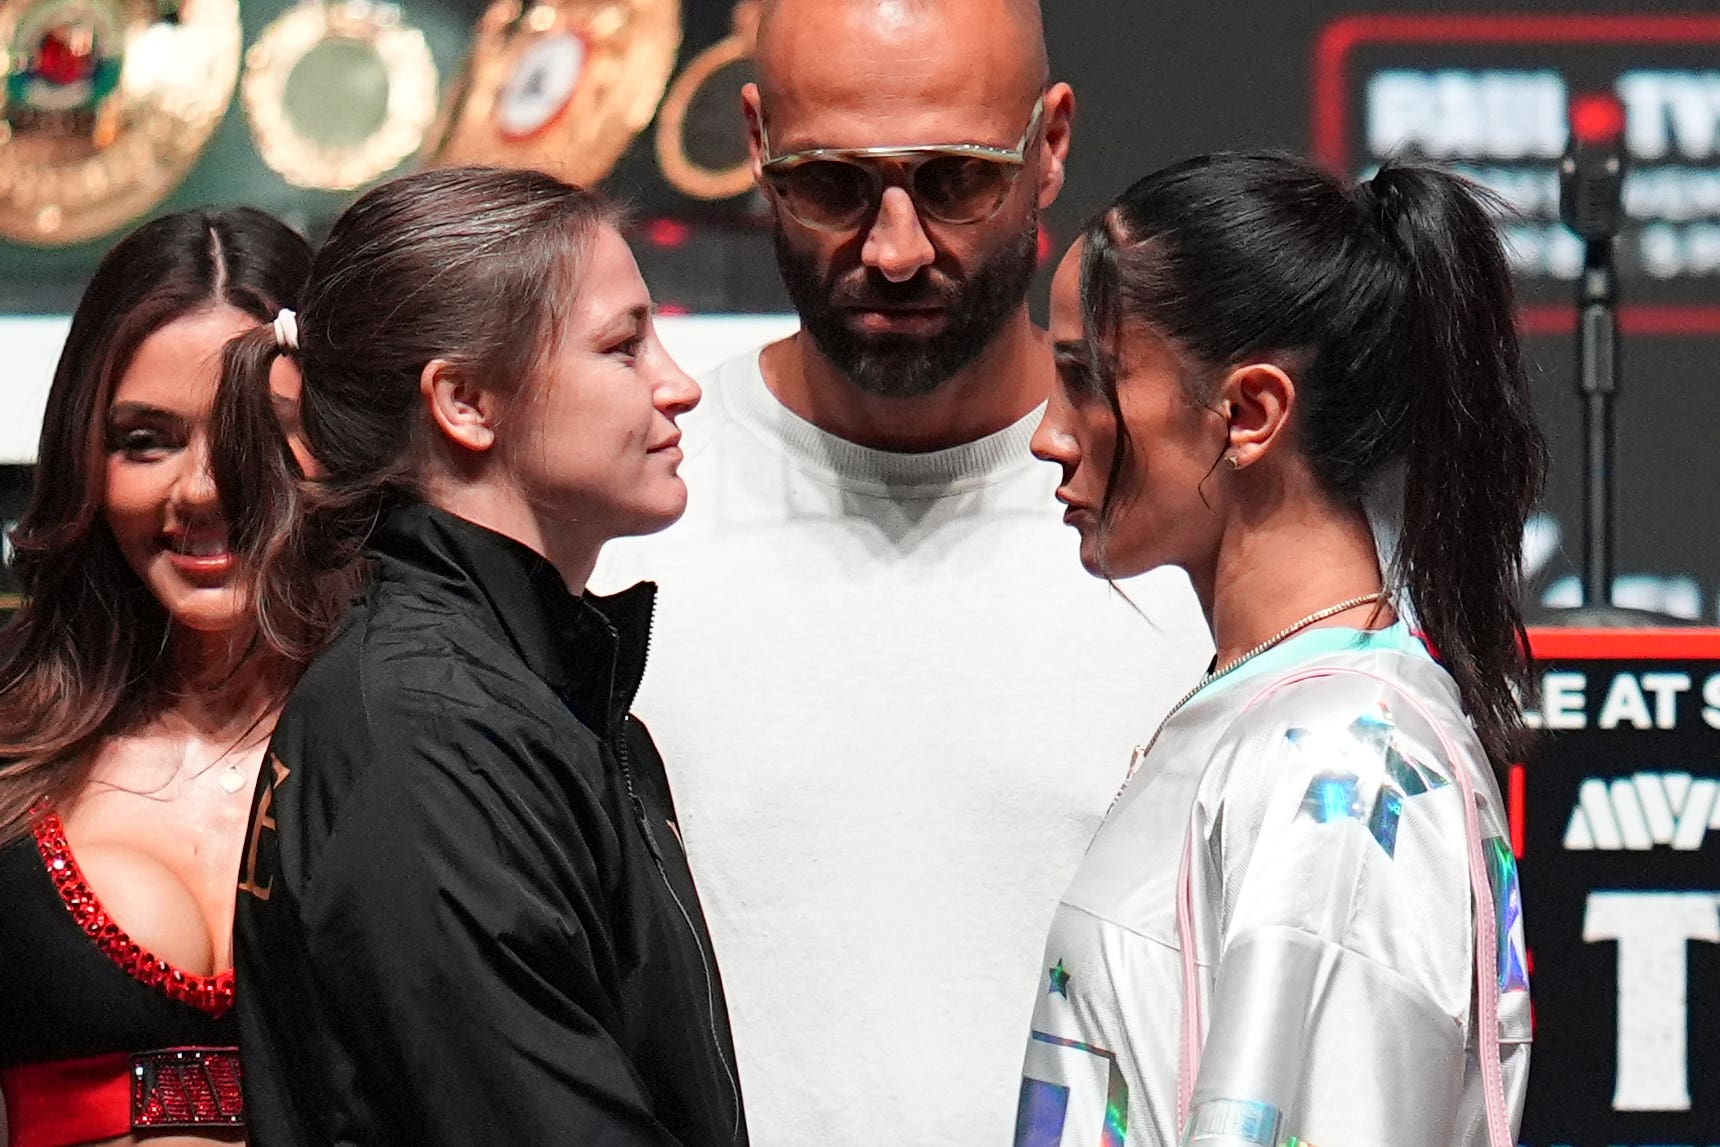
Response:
column 135, row 703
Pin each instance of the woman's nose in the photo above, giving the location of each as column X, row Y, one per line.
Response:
column 1052, row 443
column 195, row 484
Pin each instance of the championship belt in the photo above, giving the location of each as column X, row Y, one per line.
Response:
column 701, row 139
column 105, row 108
column 339, row 93
column 562, row 86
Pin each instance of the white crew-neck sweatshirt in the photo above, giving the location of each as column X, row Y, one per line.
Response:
column 894, row 708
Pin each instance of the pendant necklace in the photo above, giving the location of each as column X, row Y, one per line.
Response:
column 232, row 778
column 1295, row 627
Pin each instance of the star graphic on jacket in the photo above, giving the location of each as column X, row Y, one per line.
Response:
column 1366, row 774
column 1059, row 981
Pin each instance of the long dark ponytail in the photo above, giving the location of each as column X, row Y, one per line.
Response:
column 1394, row 300
column 1474, row 458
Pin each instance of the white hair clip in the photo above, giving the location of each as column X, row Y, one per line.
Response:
column 287, row 330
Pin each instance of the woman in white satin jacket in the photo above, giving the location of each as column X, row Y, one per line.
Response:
column 1300, row 921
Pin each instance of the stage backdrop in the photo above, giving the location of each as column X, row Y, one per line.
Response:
column 1619, row 867
column 1484, row 91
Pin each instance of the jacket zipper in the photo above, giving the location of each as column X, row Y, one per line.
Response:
column 625, row 760
column 692, row 930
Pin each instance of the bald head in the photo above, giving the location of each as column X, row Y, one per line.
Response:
column 991, row 49
column 903, row 299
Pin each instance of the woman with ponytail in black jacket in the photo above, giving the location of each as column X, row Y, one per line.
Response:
column 464, row 914
column 1300, row 921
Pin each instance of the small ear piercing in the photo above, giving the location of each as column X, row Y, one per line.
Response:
column 1233, row 462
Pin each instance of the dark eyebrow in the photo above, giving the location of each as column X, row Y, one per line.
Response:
column 141, row 411
column 1074, row 362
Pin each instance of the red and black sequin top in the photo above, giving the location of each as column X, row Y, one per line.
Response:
column 73, row 984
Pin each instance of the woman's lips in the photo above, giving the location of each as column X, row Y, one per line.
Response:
column 669, row 448
column 204, row 567
column 1074, row 513
column 201, row 553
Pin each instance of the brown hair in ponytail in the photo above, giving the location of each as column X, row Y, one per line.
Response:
column 474, row 266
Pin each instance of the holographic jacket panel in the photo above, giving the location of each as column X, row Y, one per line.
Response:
column 1331, row 917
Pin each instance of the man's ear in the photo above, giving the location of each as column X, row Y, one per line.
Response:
column 1257, row 400
column 461, row 409
column 752, row 110
column 1059, row 133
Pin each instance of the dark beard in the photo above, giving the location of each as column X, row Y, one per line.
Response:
column 904, row 366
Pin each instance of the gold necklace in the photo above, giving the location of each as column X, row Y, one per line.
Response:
column 1295, row 627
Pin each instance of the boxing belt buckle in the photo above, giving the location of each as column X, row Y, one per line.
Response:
column 186, row 1087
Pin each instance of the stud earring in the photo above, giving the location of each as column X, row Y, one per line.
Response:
column 1233, row 462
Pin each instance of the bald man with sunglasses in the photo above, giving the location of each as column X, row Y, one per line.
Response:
column 893, row 705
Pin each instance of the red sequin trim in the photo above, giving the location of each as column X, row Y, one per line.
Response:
column 212, row 994
column 186, row 1087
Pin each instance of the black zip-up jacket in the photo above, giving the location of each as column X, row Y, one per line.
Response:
column 465, row 917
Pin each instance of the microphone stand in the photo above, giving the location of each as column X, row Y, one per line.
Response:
column 1597, row 384
column 1591, row 186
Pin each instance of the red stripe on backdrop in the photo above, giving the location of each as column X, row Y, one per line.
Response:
column 1638, row 320
column 1624, row 644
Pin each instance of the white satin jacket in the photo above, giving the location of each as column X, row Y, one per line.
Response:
column 1315, row 800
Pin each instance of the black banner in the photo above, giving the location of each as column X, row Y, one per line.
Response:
column 1617, row 822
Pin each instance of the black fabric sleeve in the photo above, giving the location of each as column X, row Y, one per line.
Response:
column 457, row 936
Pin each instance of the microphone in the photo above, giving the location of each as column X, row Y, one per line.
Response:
column 1591, row 203
column 1591, row 175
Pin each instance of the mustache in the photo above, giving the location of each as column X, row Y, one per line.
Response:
column 868, row 290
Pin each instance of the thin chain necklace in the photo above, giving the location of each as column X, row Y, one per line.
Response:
column 1290, row 630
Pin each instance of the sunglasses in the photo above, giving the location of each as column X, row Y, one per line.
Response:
column 834, row 188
